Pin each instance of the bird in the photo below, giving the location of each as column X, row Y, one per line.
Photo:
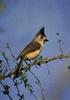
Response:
column 32, row 50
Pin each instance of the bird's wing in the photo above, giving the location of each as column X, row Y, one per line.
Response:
column 31, row 47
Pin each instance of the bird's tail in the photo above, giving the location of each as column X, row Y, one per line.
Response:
column 17, row 70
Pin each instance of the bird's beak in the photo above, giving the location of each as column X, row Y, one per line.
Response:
column 46, row 40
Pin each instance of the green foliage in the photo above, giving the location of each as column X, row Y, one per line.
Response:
column 10, row 50
column 5, row 57
column 24, row 78
column 43, row 97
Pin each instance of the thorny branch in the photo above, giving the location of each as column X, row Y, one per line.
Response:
column 38, row 62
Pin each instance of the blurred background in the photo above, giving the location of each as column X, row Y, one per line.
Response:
column 20, row 20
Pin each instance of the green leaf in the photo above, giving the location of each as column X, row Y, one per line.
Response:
column 5, row 56
column 1, row 76
column 10, row 50
column 24, row 78
column 43, row 97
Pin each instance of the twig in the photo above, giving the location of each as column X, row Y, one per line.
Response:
column 42, row 61
column 39, row 83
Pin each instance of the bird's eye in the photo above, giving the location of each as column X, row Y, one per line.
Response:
column 41, row 37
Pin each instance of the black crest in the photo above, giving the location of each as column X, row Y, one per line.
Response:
column 41, row 31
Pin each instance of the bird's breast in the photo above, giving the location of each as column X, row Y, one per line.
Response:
column 33, row 54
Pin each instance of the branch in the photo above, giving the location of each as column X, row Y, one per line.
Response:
column 38, row 62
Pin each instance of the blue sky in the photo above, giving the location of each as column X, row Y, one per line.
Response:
column 22, row 19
